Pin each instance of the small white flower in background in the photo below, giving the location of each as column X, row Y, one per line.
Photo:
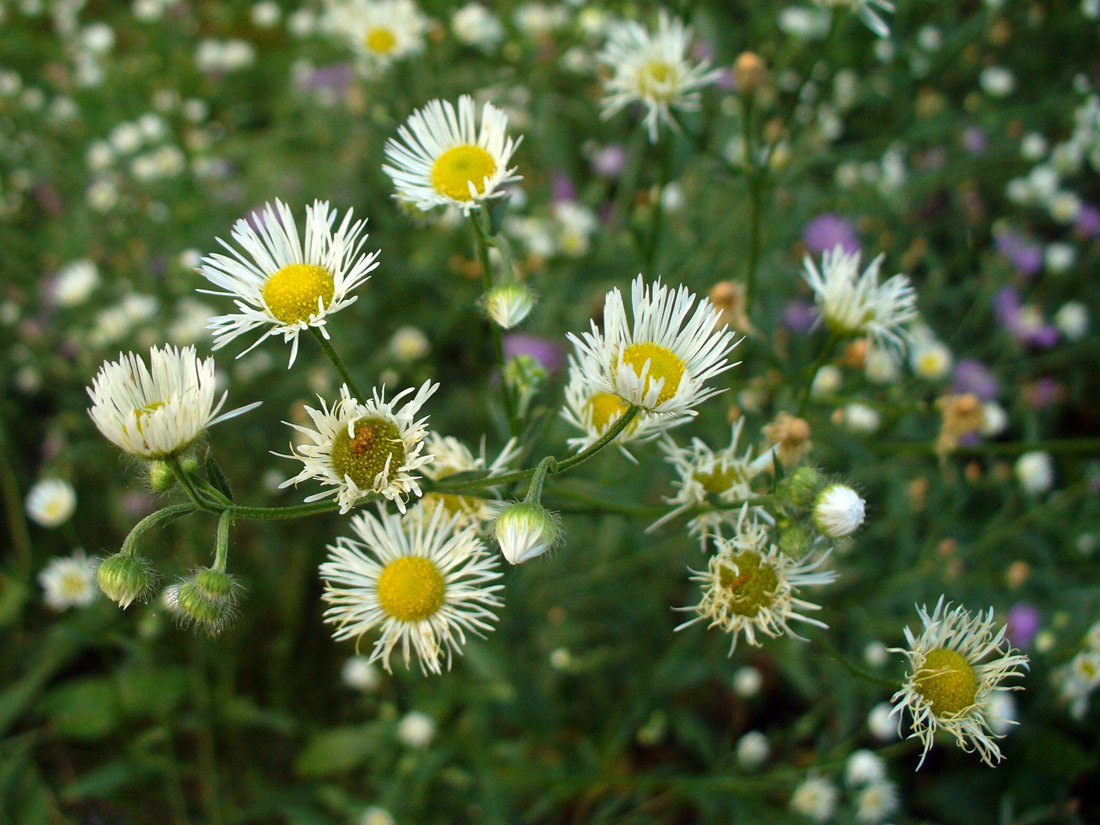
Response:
column 159, row 410
column 376, row 816
column 857, row 304
column 997, row 81
column 875, row 654
column 416, row 729
column 423, row 584
column 359, row 673
column 827, row 381
column 508, row 304
column 409, row 344
column 1065, row 207
column 930, row 359
column 876, row 801
column 747, row 682
column 1033, row 147
column 881, row 724
column 653, row 68
column 861, row 419
column 380, row 31
column 1002, row 712
column 1072, row 320
column 536, row 20
column 68, row 581
column 949, row 686
column 994, row 419
column 752, row 750
column 868, row 11
column 1035, row 472
column 1059, row 257
column 287, row 286
column 525, row 530
column 75, row 283
column 360, row 449
column 803, row 22
column 663, row 361
column 881, row 365
column 98, row 38
column 442, row 156
column 561, row 658
column 864, row 767
column 473, row 25
column 265, row 14
column 50, row 502
column 838, row 511
column 815, row 798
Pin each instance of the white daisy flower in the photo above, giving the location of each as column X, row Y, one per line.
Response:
column 868, row 11
column 417, row 579
column 949, row 687
column 361, row 449
column 159, row 410
column 451, row 456
column 663, row 363
column 51, row 502
column 380, row 31
column 815, row 798
column 653, row 68
column 704, row 472
column 284, row 284
column 876, row 802
column 444, row 158
column 68, row 581
column 855, row 304
column 416, row 729
column 751, row 587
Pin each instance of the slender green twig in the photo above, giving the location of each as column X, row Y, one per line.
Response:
column 825, row 355
column 164, row 514
column 330, row 351
column 13, row 506
column 754, row 174
column 188, row 484
column 850, row 666
column 221, row 547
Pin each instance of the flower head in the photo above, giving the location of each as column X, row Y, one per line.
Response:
column 838, row 511
column 751, row 587
column 159, row 410
column 50, row 502
column 857, row 304
column 508, row 304
column 380, row 31
column 359, row 449
column 444, row 158
column 525, row 530
column 417, row 579
column 653, row 68
column 815, row 798
column 663, row 361
column 949, row 686
column 286, row 285
column 68, row 581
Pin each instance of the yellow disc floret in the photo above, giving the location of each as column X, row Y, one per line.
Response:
column 363, row 456
column 946, row 681
column 458, row 167
column 747, row 584
column 380, row 41
column 297, row 291
column 605, row 408
column 411, row 589
column 662, row 364
column 717, row 481
column 658, row 80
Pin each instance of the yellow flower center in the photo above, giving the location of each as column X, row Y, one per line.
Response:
column 662, row 364
column 458, row 167
column 450, row 502
column 606, row 407
column 73, row 585
column 297, row 291
column 748, row 585
column 380, row 41
column 657, row 79
column 141, row 412
column 363, row 456
column 411, row 588
column 946, row 681
column 717, row 481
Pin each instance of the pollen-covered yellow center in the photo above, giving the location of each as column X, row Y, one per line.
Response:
column 717, row 481
column 380, row 41
column 663, row 363
column 141, row 412
column 458, row 167
column 657, row 79
column 605, row 408
column 747, row 584
column 363, row 456
column 297, row 291
column 73, row 584
column 946, row 681
column 411, row 588
column 450, row 502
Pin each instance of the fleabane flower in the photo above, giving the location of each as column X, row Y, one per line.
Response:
column 419, row 581
column 704, row 472
column 157, row 411
column 279, row 282
column 652, row 68
column 867, row 10
column 362, row 448
column 50, row 502
column 68, row 581
column 750, row 587
column 949, row 686
column 451, row 456
column 443, row 157
column 380, row 31
column 662, row 362
column 854, row 303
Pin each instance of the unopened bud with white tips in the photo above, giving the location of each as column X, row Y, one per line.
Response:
column 209, row 599
column 125, row 578
column 508, row 304
column 838, row 511
column 525, row 530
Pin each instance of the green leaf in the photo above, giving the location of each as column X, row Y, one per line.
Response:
column 82, row 709
column 217, row 477
column 337, row 750
column 151, row 691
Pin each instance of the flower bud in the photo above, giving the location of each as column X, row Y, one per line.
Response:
column 525, row 530
column 838, row 511
column 795, row 541
column 126, row 578
column 208, row 598
column 508, row 304
column 800, row 487
column 161, row 477
column 749, row 71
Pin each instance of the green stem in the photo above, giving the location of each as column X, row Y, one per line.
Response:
column 754, row 175
column 188, row 484
column 164, row 514
column 13, row 505
column 221, row 548
column 656, row 223
column 534, row 492
column 850, row 666
column 280, row 513
column 330, row 351
column 826, row 354
column 514, row 424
